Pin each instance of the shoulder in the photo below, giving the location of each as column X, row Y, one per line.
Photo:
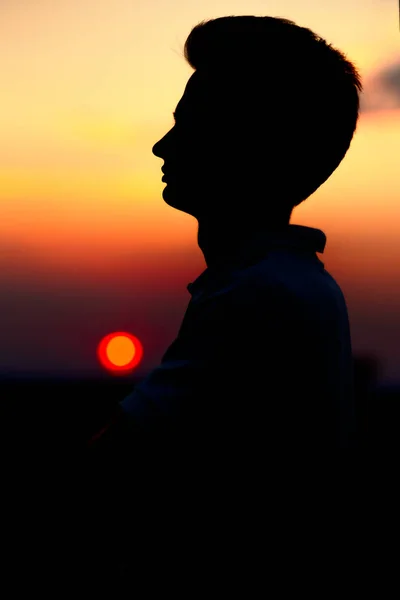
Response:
column 258, row 289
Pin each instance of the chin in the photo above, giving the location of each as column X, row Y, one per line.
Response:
column 177, row 201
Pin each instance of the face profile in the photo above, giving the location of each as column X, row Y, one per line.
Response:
column 207, row 169
column 213, row 167
column 193, row 167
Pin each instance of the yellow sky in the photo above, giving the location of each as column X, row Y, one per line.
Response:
column 88, row 86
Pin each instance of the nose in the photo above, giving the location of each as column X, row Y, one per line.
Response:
column 158, row 147
column 155, row 150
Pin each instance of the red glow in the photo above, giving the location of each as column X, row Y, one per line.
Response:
column 120, row 352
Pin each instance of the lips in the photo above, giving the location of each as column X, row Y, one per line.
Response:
column 167, row 177
column 165, row 171
column 169, row 174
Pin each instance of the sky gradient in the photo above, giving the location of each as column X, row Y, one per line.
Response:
column 87, row 244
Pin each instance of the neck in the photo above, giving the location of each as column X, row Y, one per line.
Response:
column 218, row 238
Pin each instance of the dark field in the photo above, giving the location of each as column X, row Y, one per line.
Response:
column 66, row 413
column 54, row 531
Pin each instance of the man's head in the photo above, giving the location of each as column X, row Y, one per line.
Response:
column 265, row 119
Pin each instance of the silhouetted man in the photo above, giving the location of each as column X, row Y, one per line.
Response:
column 262, row 364
column 263, row 357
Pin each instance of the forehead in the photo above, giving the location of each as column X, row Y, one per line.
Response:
column 199, row 98
column 191, row 96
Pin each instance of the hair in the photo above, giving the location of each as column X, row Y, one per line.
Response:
column 283, row 89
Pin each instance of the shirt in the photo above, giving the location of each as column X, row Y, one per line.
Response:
column 263, row 353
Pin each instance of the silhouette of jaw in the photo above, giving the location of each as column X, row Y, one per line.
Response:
column 176, row 197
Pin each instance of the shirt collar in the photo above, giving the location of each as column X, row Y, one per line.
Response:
column 297, row 237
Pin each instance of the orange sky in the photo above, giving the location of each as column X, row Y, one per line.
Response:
column 87, row 244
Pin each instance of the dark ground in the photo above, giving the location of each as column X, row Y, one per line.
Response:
column 54, row 534
column 66, row 413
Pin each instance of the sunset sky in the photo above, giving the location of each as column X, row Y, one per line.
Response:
column 87, row 244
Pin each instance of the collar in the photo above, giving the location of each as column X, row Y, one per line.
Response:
column 295, row 237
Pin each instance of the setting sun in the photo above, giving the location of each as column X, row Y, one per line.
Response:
column 120, row 352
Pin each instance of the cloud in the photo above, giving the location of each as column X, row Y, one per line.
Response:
column 391, row 79
column 382, row 90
